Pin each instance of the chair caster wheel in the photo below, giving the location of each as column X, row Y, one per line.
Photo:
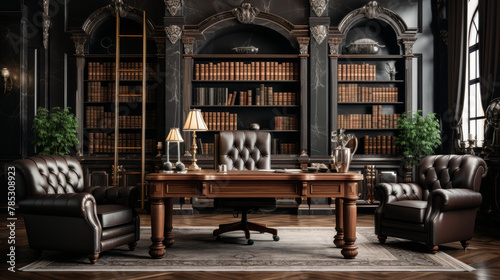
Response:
column 276, row 238
column 250, row 242
column 218, row 238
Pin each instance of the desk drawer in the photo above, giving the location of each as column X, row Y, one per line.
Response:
column 325, row 189
column 253, row 189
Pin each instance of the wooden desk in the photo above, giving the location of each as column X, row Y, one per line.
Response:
column 211, row 184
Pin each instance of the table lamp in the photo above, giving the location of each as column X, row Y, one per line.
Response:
column 194, row 122
column 174, row 136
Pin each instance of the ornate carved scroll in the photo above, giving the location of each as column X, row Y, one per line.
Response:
column 319, row 32
column 173, row 6
column 318, row 6
column 246, row 13
column 174, row 32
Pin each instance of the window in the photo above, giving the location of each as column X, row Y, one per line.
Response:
column 473, row 113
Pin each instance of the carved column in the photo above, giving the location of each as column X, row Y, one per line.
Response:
column 334, row 52
column 304, row 55
column 408, row 54
column 79, row 41
column 318, row 87
column 370, row 183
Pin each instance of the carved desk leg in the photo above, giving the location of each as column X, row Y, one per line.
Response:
column 349, row 250
column 169, row 209
column 339, row 222
column 157, row 249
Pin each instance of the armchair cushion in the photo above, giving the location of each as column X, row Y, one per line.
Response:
column 406, row 210
column 111, row 215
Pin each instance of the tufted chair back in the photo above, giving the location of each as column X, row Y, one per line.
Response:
column 49, row 175
column 450, row 172
column 245, row 150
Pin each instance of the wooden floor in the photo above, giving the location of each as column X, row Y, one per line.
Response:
column 483, row 255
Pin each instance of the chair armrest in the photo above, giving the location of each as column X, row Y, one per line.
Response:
column 453, row 199
column 126, row 196
column 79, row 205
column 390, row 192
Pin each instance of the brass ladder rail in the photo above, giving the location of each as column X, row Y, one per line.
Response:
column 117, row 103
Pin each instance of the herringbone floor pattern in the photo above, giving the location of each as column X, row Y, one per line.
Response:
column 484, row 254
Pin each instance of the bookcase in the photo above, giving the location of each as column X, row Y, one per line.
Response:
column 369, row 102
column 99, row 105
column 249, row 91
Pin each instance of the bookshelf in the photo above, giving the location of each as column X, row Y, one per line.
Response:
column 237, row 91
column 119, row 97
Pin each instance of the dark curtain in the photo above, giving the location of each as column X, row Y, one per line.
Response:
column 457, row 55
column 489, row 50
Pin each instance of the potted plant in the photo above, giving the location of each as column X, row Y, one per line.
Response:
column 418, row 136
column 55, row 131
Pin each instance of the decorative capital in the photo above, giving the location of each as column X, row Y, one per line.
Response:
column 117, row 6
column 173, row 6
column 79, row 44
column 334, row 43
column 174, row 32
column 408, row 44
column 246, row 13
column 160, row 44
column 304, row 45
column 188, row 45
column 319, row 33
column 372, row 10
column 318, row 6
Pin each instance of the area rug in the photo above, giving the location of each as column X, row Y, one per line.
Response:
column 299, row 249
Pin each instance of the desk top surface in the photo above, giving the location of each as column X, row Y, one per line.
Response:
column 256, row 175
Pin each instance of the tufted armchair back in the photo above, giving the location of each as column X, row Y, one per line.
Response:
column 450, row 172
column 245, row 150
column 48, row 175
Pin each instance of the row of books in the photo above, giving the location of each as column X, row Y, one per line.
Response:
column 288, row 149
column 206, row 148
column 375, row 120
column 246, row 71
column 131, row 71
column 286, row 123
column 355, row 93
column 97, row 118
column 220, row 120
column 127, row 142
column 382, row 144
column 356, row 72
column 262, row 96
column 97, row 92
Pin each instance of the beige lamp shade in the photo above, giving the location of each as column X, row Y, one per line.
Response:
column 174, row 135
column 194, row 121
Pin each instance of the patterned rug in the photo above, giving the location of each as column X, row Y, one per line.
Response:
column 299, row 249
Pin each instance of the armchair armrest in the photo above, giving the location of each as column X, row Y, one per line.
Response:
column 453, row 199
column 390, row 192
column 79, row 205
column 126, row 196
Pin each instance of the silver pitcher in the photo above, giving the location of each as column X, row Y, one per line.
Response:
column 342, row 155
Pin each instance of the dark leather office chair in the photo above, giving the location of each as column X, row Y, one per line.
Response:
column 60, row 214
column 245, row 150
column 440, row 208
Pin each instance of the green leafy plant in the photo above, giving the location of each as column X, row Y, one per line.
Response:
column 418, row 136
column 55, row 131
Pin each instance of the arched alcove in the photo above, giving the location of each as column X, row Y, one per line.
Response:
column 376, row 30
column 267, row 40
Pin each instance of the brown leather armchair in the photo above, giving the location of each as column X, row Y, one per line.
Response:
column 245, row 150
column 440, row 208
column 60, row 214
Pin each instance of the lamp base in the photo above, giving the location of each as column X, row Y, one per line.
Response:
column 194, row 167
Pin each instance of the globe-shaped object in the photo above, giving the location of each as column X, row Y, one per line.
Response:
column 493, row 113
column 167, row 166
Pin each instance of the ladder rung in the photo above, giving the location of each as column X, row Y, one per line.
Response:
column 130, row 36
column 130, row 95
column 129, row 70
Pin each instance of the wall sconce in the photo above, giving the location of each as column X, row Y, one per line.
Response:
column 7, row 87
